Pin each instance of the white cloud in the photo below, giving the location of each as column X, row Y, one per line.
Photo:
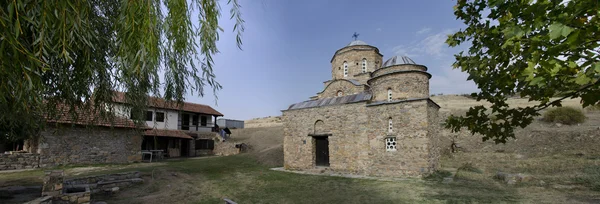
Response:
column 378, row 29
column 433, row 45
column 431, row 50
column 424, row 31
column 450, row 81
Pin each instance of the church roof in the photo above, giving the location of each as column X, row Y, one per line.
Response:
column 354, row 98
column 357, row 42
column 398, row 60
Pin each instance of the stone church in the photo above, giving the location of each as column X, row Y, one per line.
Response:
column 372, row 118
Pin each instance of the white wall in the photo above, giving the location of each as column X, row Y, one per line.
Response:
column 170, row 121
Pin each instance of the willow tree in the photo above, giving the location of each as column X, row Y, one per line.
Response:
column 76, row 52
column 536, row 49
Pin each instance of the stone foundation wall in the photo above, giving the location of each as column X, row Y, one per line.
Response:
column 19, row 161
column 80, row 145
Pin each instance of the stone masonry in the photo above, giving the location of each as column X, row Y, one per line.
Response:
column 80, row 145
column 390, row 105
column 19, row 161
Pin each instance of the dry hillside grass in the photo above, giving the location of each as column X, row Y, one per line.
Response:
column 266, row 143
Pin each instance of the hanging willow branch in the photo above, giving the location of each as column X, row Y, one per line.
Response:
column 77, row 52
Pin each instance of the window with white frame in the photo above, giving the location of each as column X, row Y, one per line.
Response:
column 364, row 66
column 390, row 144
column 389, row 94
column 345, row 69
column 390, row 127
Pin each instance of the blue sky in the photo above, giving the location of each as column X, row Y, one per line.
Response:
column 288, row 46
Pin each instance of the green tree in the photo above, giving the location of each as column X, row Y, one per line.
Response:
column 76, row 52
column 537, row 49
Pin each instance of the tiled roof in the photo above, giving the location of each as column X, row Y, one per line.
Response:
column 119, row 97
column 167, row 133
column 87, row 117
column 359, row 97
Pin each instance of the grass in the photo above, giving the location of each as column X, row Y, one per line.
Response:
column 590, row 178
column 241, row 179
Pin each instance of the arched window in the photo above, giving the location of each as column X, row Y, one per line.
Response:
column 340, row 93
column 389, row 94
column 345, row 69
column 390, row 127
column 364, row 65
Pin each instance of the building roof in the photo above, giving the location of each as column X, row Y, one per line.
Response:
column 156, row 102
column 167, row 133
column 87, row 117
column 357, row 42
column 398, row 60
column 359, row 97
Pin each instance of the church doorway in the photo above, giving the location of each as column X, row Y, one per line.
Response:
column 322, row 151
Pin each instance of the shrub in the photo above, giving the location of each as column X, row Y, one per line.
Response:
column 564, row 115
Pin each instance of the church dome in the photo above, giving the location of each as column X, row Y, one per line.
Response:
column 357, row 42
column 398, row 60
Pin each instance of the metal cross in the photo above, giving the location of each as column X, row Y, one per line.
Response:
column 355, row 35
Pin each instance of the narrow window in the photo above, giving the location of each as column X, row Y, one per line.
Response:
column 390, row 94
column 340, row 93
column 195, row 121
column 160, row 117
column 390, row 128
column 390, row 144
column 364, row 66
column 148, row 115
column 203, row 120
column 345, row 69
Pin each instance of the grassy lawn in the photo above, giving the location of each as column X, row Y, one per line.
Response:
column 242, row 179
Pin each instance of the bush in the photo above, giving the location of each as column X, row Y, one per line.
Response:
column 564, row 115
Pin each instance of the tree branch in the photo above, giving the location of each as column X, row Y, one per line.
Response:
column 567, row 96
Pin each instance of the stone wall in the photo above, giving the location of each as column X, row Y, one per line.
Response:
column 347, row 88
column 354, row 55
column 347, row 125
column 357, row 142
column 80, row 145
column 403, row 85
column 434, row 134
column 19, row 161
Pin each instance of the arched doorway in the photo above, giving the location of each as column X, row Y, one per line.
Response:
column 321, row 141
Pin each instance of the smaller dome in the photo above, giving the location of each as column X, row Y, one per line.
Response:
column 398, row 60
column 357, row 42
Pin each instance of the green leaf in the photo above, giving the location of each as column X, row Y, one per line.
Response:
column 597, row 67
column 537, row 81
column 558, row 29
column 582, row 79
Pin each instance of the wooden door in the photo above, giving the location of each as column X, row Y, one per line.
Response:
column 322, row 151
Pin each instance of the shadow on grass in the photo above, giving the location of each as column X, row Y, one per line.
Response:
column 471, row 191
